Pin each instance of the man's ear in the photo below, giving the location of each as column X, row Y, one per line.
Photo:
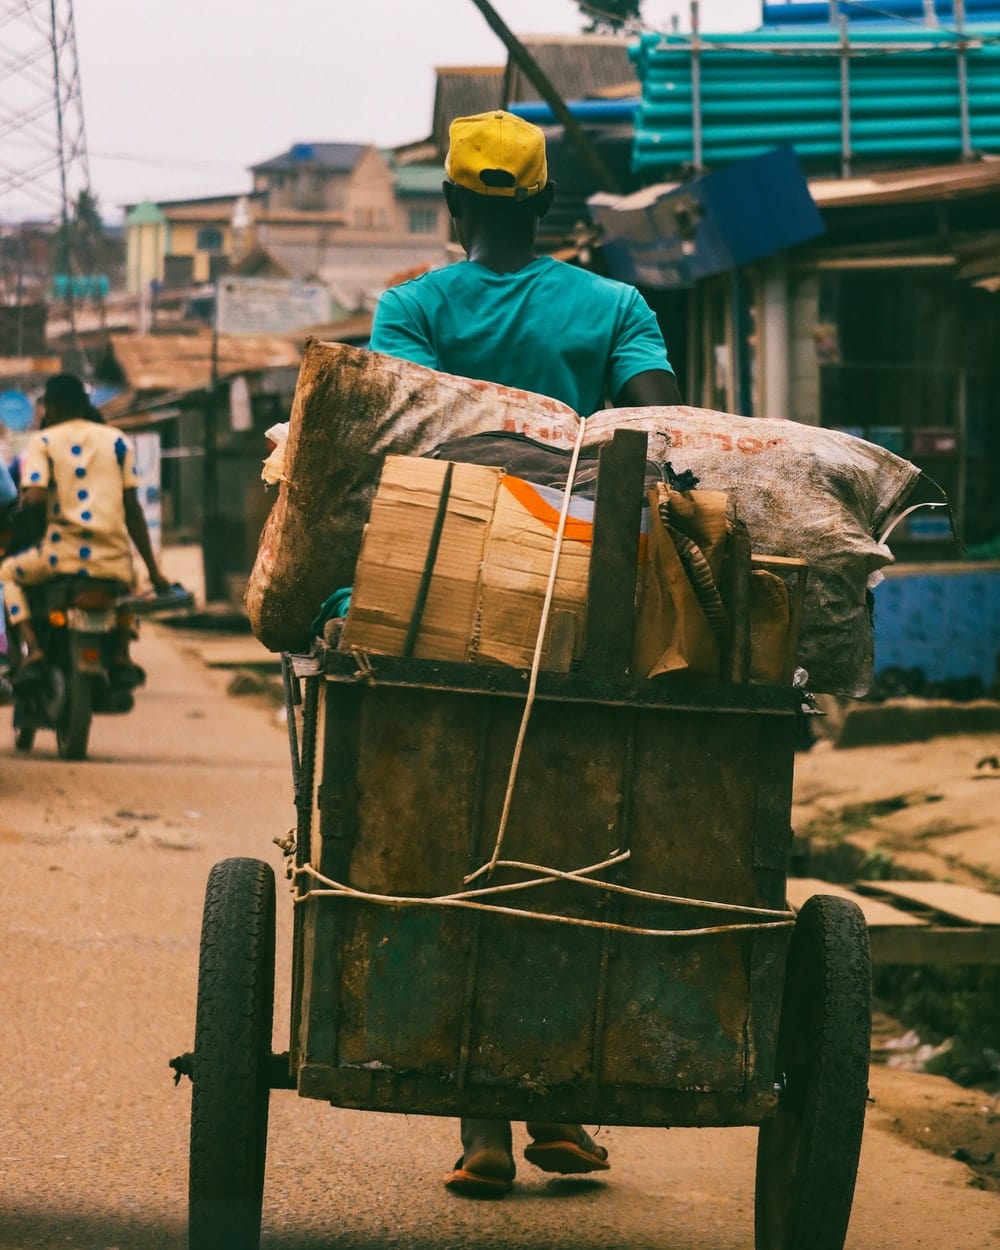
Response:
column 543, row 200
column 450, row 197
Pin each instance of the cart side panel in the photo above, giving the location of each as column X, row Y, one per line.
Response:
column 471, row 1010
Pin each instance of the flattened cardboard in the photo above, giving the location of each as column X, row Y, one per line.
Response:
column 394, row 550
column 492, row 567
column 515, row 576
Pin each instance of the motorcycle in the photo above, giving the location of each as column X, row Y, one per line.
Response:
column 83, row 626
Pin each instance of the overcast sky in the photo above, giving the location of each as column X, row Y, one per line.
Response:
column 181, row 96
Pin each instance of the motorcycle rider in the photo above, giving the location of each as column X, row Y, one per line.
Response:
column 83, row 473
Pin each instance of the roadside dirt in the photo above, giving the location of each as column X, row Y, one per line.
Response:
column 935, row 1113
column 930, row 807
column 922, row 810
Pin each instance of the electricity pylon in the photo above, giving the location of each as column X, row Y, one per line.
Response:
column 44, row 169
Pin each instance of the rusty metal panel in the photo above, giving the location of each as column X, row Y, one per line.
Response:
column 439, row 1011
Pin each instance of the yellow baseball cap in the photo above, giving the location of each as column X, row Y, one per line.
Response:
column 497, row 154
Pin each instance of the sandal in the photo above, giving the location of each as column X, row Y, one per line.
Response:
column 485, row 1174
column 567, row 1156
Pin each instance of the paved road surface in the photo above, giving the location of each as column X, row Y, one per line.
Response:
column 102, row 873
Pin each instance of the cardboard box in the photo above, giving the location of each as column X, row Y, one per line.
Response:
column 516, row 567
column 490, row 572
column 394, row 551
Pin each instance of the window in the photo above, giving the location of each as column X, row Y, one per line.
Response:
column 422, row 220
column 209, row 239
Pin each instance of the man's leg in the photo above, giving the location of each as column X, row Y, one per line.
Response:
column 486, row 1168
column 564, row 1148
column 27, row 568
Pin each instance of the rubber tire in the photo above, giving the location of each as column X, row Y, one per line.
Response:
column 24, row 740
column 229, row 1106
column 807, row 1153
column 73, row 722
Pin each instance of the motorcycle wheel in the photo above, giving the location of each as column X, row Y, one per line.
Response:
column 73, row 721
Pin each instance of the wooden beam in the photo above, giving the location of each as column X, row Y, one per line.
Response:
column 962, row 902
column 614, row 554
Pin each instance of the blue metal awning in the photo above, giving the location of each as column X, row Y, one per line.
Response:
column 662, row 238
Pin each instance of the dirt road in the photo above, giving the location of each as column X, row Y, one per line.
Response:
column 103, row 872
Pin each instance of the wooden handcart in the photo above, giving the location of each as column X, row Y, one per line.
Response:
column 630, row 959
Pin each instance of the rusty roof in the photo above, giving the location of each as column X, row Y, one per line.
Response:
column 183, row 362
column 463, row 91
column 578, row 66
column 908, row 186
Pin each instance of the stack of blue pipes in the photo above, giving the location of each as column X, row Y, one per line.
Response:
column 782, row 85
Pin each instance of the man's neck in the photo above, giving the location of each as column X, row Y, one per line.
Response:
column 502, row 256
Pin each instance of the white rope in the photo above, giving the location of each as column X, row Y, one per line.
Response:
column 536, row 662
column 469, row 901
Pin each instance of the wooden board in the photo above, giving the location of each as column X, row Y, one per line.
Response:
column 959, row 901
column 876, row 914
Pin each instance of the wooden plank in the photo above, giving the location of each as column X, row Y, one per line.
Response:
column 929, row 944
column 876, row 913
column 736, row 598
column 614, row 555
column 962, row 902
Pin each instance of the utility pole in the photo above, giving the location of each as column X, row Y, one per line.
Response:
column 212, row 539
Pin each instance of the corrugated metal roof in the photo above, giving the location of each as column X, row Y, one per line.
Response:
column 463, row 91
column 336, row 158
column 578, row 66
column 183, row 362
column 903, row 186
column 910, row 186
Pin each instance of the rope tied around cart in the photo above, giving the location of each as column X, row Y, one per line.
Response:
column 536, row 661
column 472, row 900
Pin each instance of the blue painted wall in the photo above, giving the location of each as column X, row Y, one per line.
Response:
column 944, row 620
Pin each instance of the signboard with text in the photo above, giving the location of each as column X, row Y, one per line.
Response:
column 269, row 305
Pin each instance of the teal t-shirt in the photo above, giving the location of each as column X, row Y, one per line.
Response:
column 550, row 327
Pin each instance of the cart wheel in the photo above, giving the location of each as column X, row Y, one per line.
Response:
column 231, row 1051
column 807, row 1154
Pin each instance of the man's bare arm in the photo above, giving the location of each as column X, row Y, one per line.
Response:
column 656, row 388
column 135, row 522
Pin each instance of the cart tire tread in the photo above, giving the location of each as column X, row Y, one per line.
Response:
column 229, row 1109
column 807, row 1155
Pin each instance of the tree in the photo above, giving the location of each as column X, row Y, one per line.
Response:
column 609, row 17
